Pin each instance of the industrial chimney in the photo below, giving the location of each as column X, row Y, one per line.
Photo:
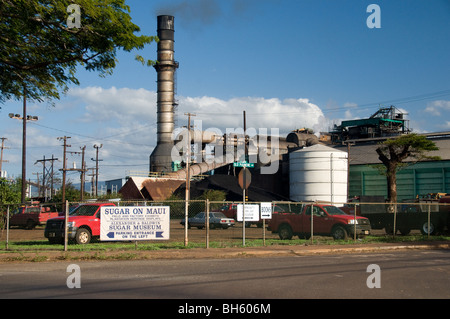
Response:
column 160, row 159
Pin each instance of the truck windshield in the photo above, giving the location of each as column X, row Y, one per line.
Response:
column 84, row 210
column 333, row 210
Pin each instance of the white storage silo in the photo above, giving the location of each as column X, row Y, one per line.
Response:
column 318, row 173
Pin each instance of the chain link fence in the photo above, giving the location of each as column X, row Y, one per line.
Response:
column 306, row 220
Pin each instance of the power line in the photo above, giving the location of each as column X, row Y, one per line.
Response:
column 105, row 138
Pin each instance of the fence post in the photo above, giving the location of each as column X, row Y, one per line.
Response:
column 207, row 223
column 7, row 228
column 312, row 223
column 354, row 226
column 429, row 221
column 186, row 221
column 395, row 220
column 66, row 228
column 264, row 223
column 243, row 216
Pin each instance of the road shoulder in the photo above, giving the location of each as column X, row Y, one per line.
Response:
column 196, row 253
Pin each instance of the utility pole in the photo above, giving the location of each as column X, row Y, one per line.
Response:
column 38, row 184
column 92, row 175
column 47, row 176
column 97, row 147
column 188, row 179
column 1, row 154
column 81, row 170
column 64, row 168
column 24, row 119
column 51, row 177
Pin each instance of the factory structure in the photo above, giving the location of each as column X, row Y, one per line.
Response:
column 333, row 167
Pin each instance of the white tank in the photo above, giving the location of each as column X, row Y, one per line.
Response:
column 318, row 173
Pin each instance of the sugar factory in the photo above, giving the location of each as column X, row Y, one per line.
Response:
column 333, row 167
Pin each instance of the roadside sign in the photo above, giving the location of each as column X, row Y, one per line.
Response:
column 135, row 223
column 244, row 164
column 248, row 178
column 251, row 213
column 266, row 210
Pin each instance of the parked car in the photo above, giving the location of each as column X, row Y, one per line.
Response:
column 328, row 220
column 32, row 216
column 83, row 224
column 216, row 219
column 229, row 210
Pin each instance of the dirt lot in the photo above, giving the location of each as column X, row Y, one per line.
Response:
column 176, row 233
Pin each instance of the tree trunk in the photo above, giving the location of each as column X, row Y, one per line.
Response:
column 391, row 177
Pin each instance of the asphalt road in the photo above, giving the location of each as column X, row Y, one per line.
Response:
column 410, row 274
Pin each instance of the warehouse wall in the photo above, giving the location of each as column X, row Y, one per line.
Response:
column 418, row 179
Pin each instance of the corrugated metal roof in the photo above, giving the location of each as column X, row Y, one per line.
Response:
column 365, row 152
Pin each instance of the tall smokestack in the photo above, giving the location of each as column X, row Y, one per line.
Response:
column 160, row 160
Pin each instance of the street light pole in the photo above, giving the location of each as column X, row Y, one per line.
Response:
column 24, row 119
column 24, row 146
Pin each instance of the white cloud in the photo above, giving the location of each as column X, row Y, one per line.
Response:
column 437, row 107
column 137, row 108
column 123, row 105
column 285, row 115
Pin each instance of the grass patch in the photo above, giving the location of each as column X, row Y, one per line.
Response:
column 130, row 250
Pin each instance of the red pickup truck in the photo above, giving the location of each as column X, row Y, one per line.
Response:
column 328, row 220
column 32, row 216
column 83, row 224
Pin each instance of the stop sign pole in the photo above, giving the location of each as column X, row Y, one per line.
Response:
column 244, row 179
column 244, row 170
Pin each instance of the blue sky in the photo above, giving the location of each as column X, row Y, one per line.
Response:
column 287, row 63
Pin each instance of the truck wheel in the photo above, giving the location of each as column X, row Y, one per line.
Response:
column 83, row 236
column 405, row 231
column 30, row 224
column 389, row 230
column 304, row 236
column 424, row 229
column 54, row 241
column 339, row 232
column 285, row 232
